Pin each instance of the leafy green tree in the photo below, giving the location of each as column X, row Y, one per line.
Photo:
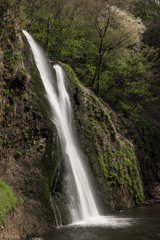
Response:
column 146, row 10
column 12, row 15
column 129, row 80
column 53, row 26
column 110, row 29
column 149, row 12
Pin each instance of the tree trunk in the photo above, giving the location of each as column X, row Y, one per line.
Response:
column 98, row 69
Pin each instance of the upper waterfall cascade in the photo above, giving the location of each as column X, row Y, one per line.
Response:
column 82, row 205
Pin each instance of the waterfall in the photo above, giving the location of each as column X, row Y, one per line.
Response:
column 81, row 201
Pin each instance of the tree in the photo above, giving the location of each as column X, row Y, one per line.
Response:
column 146, row 10
column 128, row 80
column 149, row 12
column 52, row 24
column 110, row 29
column 12, row 15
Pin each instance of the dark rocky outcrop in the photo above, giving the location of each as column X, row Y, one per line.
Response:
column 27, row 139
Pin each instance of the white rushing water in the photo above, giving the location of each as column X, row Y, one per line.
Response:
column 81, row 201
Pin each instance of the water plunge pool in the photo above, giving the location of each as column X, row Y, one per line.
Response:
column 142, row 223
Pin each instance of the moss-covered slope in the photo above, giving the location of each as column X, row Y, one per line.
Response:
column 111, row 146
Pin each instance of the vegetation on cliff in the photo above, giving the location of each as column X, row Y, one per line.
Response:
column 7, row 200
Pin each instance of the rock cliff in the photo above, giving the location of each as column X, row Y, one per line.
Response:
column 27, row 139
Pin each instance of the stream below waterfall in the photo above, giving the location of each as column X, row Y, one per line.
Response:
column 142, row 223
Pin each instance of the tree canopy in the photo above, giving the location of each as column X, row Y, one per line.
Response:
column 105, row 42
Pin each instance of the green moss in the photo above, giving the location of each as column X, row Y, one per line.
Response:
column 18, row 154
column 71, row 74
column 120, row 181
column 8, row 200
column 124, row 172
column 107, row 131
column 26, row 135
column 5, row 91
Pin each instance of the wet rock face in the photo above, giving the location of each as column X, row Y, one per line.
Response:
column 154, row 190
column 27, row 139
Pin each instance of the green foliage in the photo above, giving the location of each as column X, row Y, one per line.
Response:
column 15, row 99
column 117, row 160
column 146, row 10
column 26, row 135
column 18, row 154
column 126, row 83
column 70, row 73
column 149, row 12
column 5, row 91
column 123, row 173
column 13, row 14
column 8, row 200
